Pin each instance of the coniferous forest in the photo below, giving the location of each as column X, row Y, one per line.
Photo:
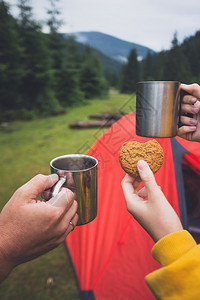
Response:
column 42, row 74
column 180, row 63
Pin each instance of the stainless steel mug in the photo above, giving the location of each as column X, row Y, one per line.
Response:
column 157, row 108
column 78, row 172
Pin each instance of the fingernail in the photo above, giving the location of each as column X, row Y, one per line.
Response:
column 142, row 164
column 192, row 100
column 192, row 128
column 53, row 177
column 193, row 122
column 195, row 110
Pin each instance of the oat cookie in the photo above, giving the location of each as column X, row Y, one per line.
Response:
column 131, row 152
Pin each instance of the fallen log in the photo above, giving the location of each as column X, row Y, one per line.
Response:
column 107, row 116
column 91, row 124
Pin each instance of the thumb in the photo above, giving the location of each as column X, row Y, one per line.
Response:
column 146, row 176
column 38, row 184
column 193, row 89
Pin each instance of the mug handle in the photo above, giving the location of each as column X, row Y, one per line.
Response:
column 182, row 94
column 56, row 188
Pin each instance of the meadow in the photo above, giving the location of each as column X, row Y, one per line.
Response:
column 26, row 148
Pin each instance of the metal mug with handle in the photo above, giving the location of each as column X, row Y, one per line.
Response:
column 158, row 108
column 78, row 172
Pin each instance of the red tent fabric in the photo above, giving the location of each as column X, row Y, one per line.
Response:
column 112, row 254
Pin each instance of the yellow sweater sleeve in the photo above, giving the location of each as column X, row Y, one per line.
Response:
column 179, row 277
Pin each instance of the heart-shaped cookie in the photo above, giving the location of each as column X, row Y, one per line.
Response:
column 131, row 152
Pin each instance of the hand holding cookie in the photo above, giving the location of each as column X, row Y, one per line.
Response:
column 155, row 214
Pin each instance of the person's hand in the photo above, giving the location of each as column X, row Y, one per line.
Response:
column 29, row 227
column 155, row 214
column 190, row 104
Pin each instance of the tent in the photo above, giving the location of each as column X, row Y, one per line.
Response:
column 112, row 254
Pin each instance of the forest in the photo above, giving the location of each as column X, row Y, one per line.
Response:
column 43, row 74
column 180, row 63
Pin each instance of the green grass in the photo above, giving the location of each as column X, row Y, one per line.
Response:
column 26, row 149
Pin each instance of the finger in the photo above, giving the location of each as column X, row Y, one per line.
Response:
column 69, row 229
column 135, row 182
column 37, row 185
column 193, row 89
column 192, row 109
column 188, row 121
column 64, row 228
column 46, row 194
column 64, row 198
column 43, row 182
column 146, row 176
column 72, row 211
column 129, row 185
column 70, row 218
column 197, row 104
column 143, row 193
column 188, row 99
column 73, row 222
column 184, row 130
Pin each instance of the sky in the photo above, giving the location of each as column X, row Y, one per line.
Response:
column 151, row 23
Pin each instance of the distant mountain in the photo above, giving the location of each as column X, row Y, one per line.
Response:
column 109, row 65
column 111, row 46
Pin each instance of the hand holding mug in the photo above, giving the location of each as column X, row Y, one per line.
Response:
column 30, row 228
column 168, row 108
column 190, row 129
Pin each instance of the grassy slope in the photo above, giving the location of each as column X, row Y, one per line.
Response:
column 26, row 151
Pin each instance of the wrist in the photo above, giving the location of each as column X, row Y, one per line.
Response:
column 6, row 264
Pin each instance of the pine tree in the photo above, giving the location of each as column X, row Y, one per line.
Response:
column 130, row 74
column 191, row 49
column 64, row 61
column 147, row 67
column 91, row 77
column 11, row 65
column 36, row 87
column 176, row 65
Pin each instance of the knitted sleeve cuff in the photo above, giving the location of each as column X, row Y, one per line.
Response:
column 172, row 246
